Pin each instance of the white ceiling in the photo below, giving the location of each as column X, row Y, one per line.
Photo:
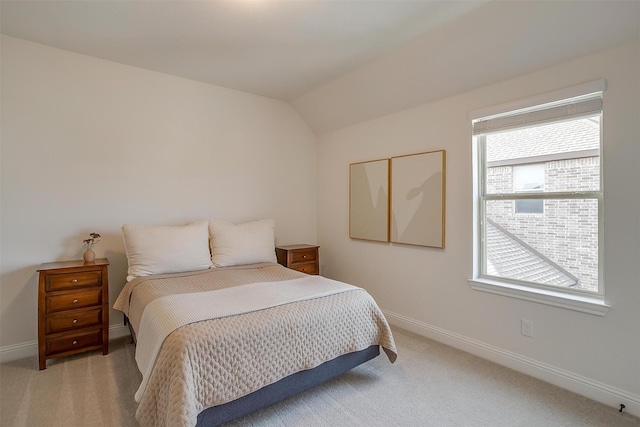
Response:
column 338, row 62
column 280, row 49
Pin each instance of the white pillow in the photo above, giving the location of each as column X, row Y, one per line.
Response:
column 248, row 243
column 166, row 249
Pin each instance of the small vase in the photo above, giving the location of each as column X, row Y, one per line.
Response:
column 89, row 255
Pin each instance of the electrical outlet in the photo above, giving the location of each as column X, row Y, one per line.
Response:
column 526, row 328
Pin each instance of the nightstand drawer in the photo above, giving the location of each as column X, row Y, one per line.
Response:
column 306, row 268
column 71, row 301
column 72, row 342
column 302, row 258
column 59, row 282
column 303, row 255
column 73, row 320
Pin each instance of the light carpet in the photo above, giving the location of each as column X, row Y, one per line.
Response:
column 431, row 384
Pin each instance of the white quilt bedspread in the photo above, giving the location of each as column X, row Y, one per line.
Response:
column 166, row 314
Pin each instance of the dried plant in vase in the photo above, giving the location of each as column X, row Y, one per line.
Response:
column 89, row 255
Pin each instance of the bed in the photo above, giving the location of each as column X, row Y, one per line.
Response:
column 217, row 343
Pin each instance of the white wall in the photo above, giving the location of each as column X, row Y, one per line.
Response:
column 427, row 291
column 88, row 145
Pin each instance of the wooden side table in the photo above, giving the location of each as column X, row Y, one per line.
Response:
column 303, row 258
column 73, row 308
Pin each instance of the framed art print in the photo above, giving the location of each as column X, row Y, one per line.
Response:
column 369, row 200
column 417, row 192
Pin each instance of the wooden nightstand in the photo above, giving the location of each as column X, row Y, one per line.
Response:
column 73, row 308
column 303, row 258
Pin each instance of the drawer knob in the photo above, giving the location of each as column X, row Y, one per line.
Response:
column 74, row 281
column 304, row 257
column 75, row 301
column 75, row 321
column 75, row 342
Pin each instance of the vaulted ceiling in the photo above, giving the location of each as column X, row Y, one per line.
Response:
column 338, row 62
column 280, row 49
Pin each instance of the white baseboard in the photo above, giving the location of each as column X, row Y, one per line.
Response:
column 118, row 331
column 600, row 392
column 23, row 350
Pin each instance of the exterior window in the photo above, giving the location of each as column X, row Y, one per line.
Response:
column 528, row 178
column 539, row 196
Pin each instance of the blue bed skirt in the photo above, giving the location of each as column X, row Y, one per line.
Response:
column 285, row 388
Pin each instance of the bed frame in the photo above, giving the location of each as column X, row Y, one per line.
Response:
column 285, row 388
column 280, row 390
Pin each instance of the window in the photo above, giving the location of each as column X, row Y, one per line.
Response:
column 527, row 178
column 539, row 199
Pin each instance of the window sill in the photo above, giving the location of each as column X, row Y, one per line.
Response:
column 590, row 305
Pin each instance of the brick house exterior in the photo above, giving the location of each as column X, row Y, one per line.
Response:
column 564, row 232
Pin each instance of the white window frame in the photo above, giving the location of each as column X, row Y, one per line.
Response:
column 592, row 303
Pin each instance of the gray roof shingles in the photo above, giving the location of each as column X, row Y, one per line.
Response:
column 507, row 257
column 554, row 138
